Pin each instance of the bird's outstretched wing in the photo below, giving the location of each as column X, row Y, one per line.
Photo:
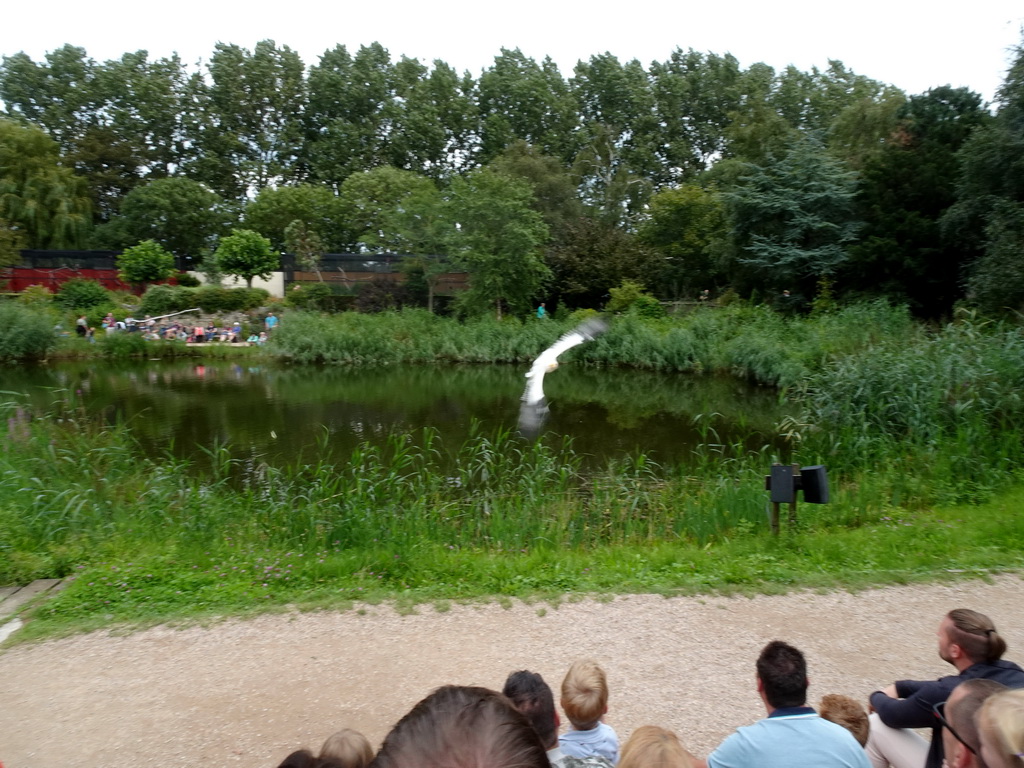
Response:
column 534, row 409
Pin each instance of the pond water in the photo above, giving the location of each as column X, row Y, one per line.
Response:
column 281, row 413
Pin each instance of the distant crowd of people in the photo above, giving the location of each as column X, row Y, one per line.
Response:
column 175, row 331
column 976, row 718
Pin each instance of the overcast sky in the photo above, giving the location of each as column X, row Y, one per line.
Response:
column 911, row 44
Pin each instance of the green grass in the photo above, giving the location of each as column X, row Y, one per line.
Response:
column 226, row 578
column 922, row 430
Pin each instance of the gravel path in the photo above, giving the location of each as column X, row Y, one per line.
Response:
column 249, row 692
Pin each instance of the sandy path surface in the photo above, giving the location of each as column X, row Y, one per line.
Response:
column 249, row 692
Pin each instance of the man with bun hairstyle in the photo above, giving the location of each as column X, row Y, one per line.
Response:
column 970, row 642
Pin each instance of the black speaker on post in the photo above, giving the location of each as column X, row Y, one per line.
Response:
column 815, row 484
column 782, row 486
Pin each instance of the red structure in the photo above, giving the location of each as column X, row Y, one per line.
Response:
column 52, row 268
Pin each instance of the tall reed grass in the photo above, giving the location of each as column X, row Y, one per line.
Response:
column 751, row 342
column 905, row 417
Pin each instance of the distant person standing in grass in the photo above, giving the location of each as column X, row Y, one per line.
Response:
column 270, row 322
column 541, row 312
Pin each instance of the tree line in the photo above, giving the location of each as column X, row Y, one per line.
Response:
column 685, row 175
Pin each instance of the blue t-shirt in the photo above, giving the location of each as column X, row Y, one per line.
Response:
column 600, row 740
column 793, row 737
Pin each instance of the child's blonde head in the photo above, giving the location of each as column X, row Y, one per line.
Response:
column 654, row 747
column 584, row 694
column 347, row 747
column 1001, row 726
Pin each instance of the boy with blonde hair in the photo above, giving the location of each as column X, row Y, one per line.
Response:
column 585, row 702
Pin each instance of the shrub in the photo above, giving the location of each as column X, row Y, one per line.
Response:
column 631, row 297
column 26, row 333
column 79, row 294
column 186, row 280
column 316, row 297
column 35, row 296
column 123, row 345
column 164, row 299
column 214, row 298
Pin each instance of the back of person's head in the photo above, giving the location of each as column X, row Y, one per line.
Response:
column 847, row 712
column 782, row 670
column 300, row 758
column 652, row 747
column 532, row 696
column 1001, row 728
column 962, row 708
column 976, row 635
column 584, row 694
column 462, row 727
column 347, row 749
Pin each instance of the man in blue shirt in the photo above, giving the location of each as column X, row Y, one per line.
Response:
column 793, row 735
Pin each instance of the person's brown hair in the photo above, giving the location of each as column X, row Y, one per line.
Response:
column 963, row 715
column 584, row 694
column 976, row 635
column 532, row 696
column 652, row 747
column 348, row 748
column 847, row 712
column 462, row 727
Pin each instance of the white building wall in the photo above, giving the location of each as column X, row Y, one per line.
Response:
column 274, row 285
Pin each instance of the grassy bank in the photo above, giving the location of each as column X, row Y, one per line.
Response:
column 922, row 430
column 751, row 342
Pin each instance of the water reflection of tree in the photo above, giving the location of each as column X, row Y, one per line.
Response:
column 279, row 413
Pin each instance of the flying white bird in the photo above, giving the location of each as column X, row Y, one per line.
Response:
column 534, row 409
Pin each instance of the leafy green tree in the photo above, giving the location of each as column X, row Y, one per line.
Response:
column 687, row 226
column 369, row 198
column 434, row 119
column 905, row 190
column 305, row 244
column 696, row 97
column 145, row 263
column 144, row 106
column 616, row 105
column 985, row 221
column 350, row 112
column 610, row 188
column 59, row 94
column 592, row 257
column 180, row 214
column 43, row 202
column 793, row 219
column 497, row 240
column 554, row 193
column 756, row 131
column 12, row 241
column 996, row 283
column 418, row 225
column 316, row 205
column 521, row 99
column 250, row 131
column 247, row 254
